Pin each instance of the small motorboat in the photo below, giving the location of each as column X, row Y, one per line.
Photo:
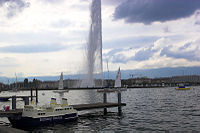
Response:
column 182, row 87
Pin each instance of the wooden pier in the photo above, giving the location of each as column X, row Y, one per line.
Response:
column 81, row 107
column 9, row 97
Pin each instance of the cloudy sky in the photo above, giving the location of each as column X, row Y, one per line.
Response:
column 46, row 37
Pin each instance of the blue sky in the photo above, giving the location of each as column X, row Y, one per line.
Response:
column 46, row 37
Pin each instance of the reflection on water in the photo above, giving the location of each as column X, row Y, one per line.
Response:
column 155, row 109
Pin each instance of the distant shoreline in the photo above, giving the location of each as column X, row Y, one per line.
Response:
column 95, row 88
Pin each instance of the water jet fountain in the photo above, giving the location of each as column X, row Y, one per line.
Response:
column 94, row 64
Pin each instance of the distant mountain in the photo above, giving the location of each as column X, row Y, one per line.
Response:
column 151, row 73
column 161, row 72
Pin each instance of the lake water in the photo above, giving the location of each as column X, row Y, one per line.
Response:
column 147, row 110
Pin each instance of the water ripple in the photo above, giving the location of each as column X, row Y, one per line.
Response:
column 148, row 110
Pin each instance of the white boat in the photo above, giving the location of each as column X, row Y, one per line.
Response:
column 61, row 86
column 118, row 82
column 182, row 87
column 33, row 115
column 118, row 85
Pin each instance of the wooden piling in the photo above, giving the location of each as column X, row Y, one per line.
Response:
column 105, row 101
column 31, row 94
column 119, row 103
column 36, row 89
column 13, row 102
column 26, row 100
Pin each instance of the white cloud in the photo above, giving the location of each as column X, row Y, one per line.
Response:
column 66, row 23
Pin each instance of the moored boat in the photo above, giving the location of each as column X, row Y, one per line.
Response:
column 182, row 87
column 118, row 85
column 61, row 89
column 118, row 82
column 33, row 115
column 4, row 99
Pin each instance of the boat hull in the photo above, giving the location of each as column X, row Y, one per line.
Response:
column 22, row 122
column 187, row 88
column 3, row 99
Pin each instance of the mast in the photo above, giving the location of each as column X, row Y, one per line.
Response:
column 107, row 69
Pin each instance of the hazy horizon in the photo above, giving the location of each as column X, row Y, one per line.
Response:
column 150, row 73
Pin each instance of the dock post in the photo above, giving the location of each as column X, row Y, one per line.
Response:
column 105, row 101
column 26, row 100
column 36, row 95
column 31, row 94
column 119, row 103
column 13, row 102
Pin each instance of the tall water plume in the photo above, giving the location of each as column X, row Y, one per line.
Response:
column 94, row 46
